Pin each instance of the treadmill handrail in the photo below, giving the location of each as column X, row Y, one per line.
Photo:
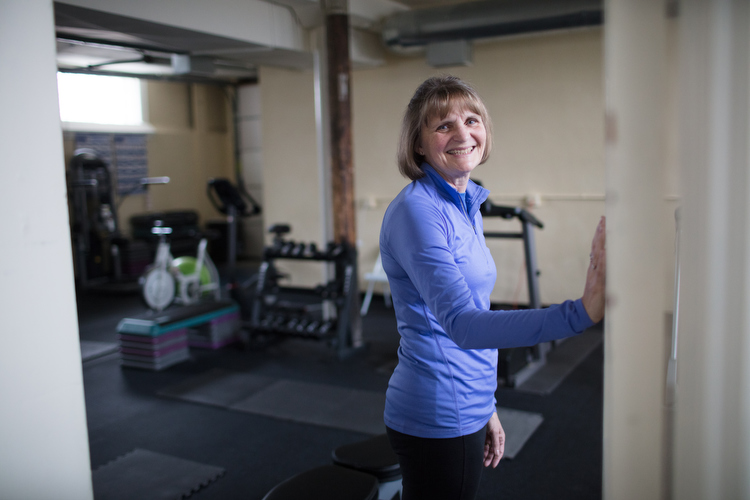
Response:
column 507, row 212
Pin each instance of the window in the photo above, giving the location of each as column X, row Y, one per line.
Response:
column 100, row 103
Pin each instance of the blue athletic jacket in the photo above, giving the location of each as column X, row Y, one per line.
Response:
column 441, row 275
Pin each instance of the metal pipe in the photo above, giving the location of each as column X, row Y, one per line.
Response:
column 489, row 18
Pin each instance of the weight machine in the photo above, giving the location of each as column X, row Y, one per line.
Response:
column 101, row 254
column 93, row 218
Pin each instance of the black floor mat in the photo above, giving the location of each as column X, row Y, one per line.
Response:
column 561, row 362
column 147, row 475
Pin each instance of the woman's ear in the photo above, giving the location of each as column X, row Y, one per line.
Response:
column 418, row 149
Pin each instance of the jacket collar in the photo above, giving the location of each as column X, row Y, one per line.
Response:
column 475, row 194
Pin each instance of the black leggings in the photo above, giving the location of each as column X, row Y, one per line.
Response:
column 447, row 469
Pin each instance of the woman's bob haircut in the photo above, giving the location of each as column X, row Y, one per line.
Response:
column 437, row 96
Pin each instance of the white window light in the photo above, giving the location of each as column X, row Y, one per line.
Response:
column 100, row 103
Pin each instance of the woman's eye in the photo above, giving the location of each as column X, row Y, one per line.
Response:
column 472, row 121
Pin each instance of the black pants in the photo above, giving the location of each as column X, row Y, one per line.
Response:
column 446, row 469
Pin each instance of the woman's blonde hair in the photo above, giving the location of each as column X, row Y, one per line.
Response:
column 437, row 96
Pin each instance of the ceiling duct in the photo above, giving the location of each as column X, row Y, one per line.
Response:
column 489, row 18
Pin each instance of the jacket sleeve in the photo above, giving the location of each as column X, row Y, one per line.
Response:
column 418, row 241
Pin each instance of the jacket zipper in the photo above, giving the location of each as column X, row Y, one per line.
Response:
column 463, row 208
column 466, row 213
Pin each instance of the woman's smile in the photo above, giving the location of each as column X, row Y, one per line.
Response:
column 461, row 151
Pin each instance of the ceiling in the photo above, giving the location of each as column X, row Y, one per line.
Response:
column 94, row 41
column 98, row 42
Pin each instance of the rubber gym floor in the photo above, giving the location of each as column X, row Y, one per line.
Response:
column 561, row 460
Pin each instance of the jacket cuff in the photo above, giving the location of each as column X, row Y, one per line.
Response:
column 580, row 319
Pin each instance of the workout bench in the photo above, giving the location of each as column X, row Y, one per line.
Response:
column 366, row 470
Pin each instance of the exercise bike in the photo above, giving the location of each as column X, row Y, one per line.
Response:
column 184, row 280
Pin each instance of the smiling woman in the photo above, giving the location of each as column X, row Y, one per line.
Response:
column 440, row 410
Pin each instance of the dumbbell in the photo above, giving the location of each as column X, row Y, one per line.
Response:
column 313, row 326
column 325, row 327
column 301, row 325
column 287, row 248
column 299, row 250
column 292, row 324
column 312, row 250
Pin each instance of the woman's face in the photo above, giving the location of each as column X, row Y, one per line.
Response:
column 453, row 145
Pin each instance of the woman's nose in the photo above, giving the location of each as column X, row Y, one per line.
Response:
column 462, row 132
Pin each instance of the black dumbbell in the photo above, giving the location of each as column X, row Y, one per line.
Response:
column 287, row 248
column 335, row 250
column 302, row 325
column 312, row 250
column 292, row 324
column 313, row 326
column 325, row 327
column 299, row 250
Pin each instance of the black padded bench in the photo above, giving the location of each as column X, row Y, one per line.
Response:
column 366, row 470
column 329, row 482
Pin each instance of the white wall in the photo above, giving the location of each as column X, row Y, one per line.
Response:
column 192, row 142
column 712, row 432
column 291, row 180
column 43, row 438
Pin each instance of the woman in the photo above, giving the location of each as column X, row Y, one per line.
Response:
column 440, row 405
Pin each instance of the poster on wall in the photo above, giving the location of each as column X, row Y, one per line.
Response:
column 124, row 153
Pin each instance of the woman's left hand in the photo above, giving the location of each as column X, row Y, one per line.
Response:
column 494, row 444
column 594, row 293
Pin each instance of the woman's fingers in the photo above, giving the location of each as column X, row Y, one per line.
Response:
column 500, row 447
column 594, row 291
column 494, row 444
column 599, row 236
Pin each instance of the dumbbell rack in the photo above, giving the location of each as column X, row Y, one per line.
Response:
column 319, row 313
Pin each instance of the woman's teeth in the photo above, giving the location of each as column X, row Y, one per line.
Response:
column 461, row 151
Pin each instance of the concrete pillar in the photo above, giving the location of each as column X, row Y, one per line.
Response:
column 44, row 450
column 635, row 348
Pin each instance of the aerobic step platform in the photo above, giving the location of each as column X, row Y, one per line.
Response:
column 157, row 341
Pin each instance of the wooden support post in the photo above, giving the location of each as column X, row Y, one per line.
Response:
column 339, row 102
column 342, row 169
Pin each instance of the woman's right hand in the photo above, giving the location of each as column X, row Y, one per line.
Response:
column 594, row 291
column 494, row 443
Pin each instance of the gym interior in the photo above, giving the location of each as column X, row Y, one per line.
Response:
column 185, row 318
